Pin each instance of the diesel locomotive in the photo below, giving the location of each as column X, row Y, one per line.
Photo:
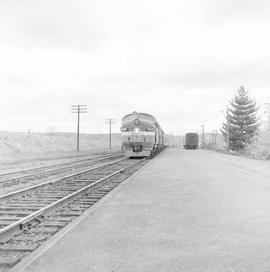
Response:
column 191, row 140
column 141, row 135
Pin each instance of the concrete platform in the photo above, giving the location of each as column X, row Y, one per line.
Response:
column 185, row 211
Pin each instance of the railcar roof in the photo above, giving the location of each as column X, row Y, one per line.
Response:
column 139, row 113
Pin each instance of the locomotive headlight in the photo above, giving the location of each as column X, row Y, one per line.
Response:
column 137, row 122
column 136, row 130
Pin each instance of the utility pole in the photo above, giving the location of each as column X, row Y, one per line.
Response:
column 78, row 109
column 215, row 138
column 267, row 127
column 228, row 130
column 110, row 122
column 202, row 136
column 215, row 131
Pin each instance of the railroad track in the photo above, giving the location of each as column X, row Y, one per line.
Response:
column 19, row 178
column 29, row 217
column 7, row 166
column 32, row 170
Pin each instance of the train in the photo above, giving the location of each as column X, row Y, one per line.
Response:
column 191, row 140
column 141, row 135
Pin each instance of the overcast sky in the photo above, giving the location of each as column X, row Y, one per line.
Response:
column 179, row 60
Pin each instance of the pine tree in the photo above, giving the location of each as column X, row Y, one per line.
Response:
column 241, row 121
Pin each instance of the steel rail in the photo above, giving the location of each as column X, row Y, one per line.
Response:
column 10, row 229
column 51, row 165
column 8, row 196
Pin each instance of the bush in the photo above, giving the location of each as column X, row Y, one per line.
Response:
column 260, row 149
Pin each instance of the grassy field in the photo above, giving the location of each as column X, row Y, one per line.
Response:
column 23, row 145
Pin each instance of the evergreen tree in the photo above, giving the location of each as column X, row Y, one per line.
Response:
column 241, row 121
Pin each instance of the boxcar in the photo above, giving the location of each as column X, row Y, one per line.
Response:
column 191, row 140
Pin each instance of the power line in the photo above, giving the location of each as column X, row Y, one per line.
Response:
column 110, row 122
column 78, row 109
